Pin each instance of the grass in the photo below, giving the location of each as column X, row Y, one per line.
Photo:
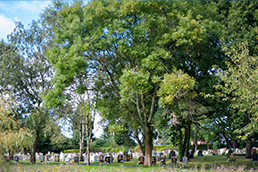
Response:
column 201, row 162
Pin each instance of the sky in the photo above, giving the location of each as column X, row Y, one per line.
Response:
column 12, row 11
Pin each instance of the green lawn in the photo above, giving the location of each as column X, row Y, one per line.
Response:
column 205, row 161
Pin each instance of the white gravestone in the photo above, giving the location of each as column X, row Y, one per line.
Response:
column 185, row 160
column 61, row 156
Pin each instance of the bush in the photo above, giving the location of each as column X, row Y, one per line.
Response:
column 216, row 145
column 202, row 147
column 229, row 152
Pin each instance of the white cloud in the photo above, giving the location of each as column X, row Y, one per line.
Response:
column 24, row 6
column 6, row 26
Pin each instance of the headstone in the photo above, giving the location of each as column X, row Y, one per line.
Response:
column 11, row 156
column 42, row 158
column 101, row 158
column 255, row 158
column 120, row 158
column 215, row 152
column 153, row 160
column 141, row 159
column 231, row 158
column 48, row 158
column 160, row 154
column 61, row 156
column 185, row 160
column 200, row 153
column 111, row 159
column 125, row 158
column 131, row 155
column 174, row 160
column 56, row 158
column 86, row 158
column 76, row 159
column 107, row 159
column 171, row 154
column 16, row 158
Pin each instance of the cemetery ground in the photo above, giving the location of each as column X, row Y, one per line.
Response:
column 202, row 163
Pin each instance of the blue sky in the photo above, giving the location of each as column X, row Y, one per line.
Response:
column 25, row 12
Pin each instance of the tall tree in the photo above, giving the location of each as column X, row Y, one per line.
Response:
column 27, row 74
column 131, row 45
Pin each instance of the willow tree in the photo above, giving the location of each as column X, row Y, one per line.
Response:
column 130, row 46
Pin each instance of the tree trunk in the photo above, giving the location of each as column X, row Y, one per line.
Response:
column 34, row 148
column 148, row 143
column 81, row 140
column 186, row 140
column 195, row 138
column 248, row 147
column 88, row 136
column 194, row 147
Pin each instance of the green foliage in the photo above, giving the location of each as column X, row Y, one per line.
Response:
column 216, row 145
column 229, row 152
column 202, row 147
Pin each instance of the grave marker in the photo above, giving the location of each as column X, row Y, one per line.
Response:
column 76, row 159
column 120, row 158
column 16, row 158
column 153, row 160
column 56, row 158
column 174, row 160
column 42, row 158
column 107, row 159
column 185, row 160
column 255, row 158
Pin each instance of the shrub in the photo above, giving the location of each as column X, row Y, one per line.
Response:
column 216, row 145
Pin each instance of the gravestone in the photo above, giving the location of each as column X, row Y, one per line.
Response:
column 174, row 160
column 160, row 154
column 61, row 156
column 171, row 154
column 42, row 158
column 131, row 155
column 215, row 152
column 141, row 159
column 101, row 158
column 185, row 160
column 7, row 158
column 200, row 153
column 86, row 158
column 120, row 158
column 16, row 158
column 231, row 158
column 153, row 160
column 11, row 156
column 125, row 158
column 48, row 157
column 56, row 158
column 111, row 159
column 254, row 155
column 76, row 159
column 107, row 159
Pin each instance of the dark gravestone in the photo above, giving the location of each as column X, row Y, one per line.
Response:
column 42, row 158
column 141, row 159
column 56, row 158
column 231, row 158
column 125, row 158
column 125, row 153
column 16, row 158
column 160, row 154
column 255, row 158
column 101, row 158
column 131, row 155
column 48, row 157
column 200, row 153
column 76, row 159
column 11, row 156
column 7, row 158
column 163, row 158
column 153, row 160
column 107, row 159
column 171, row 154
column 174, row 159
column 120, row 158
